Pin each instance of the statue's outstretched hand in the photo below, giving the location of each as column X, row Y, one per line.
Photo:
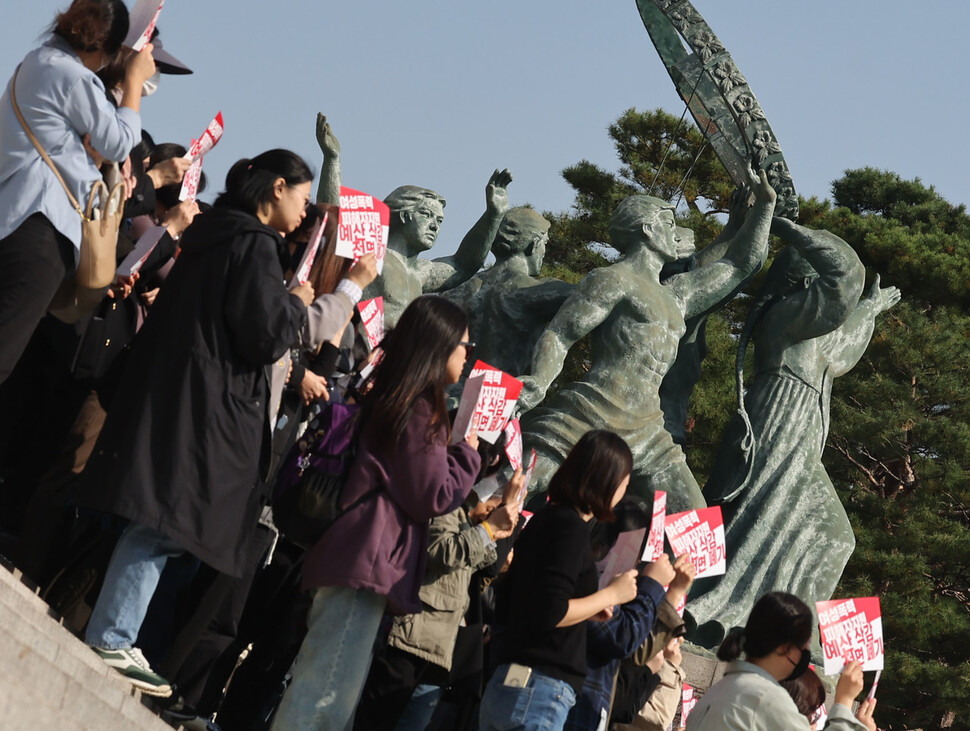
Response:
column 738, row 206
column 531, row 395
column 883, row 298
column 329, row 145
column 496, row 193
column 763, row 192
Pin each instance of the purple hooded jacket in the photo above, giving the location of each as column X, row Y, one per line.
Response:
column 382, row 544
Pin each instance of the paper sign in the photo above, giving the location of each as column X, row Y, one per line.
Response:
column 466, row 408
column 851, row 630
column 513, row 443
column 699, row 534
column 496, row 402
column 528, row 476
column 302, row 273
column 147, row 242
column 372, row 316
column 209, row 139
column 197, row 151
column 624, row 555
column 190, row 181
column 363, row 227
column 655, row 539
column 526, row 517
column 688, row 701
column 141, row 23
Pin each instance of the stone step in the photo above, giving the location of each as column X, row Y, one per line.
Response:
column 49, row 679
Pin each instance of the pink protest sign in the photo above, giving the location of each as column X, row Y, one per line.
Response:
column 496, row 401
column 528, row 476
column 526, row 517
column 624, row 555
column 688, row 701
column 363, row 228
column 209, row 139
column 655, row 539
column 141, row 23
column 513, row 443
column 190, row 181
column 699, row 534
column 197, row 151
column 372, row 317
column 302, row 273
column 851, row 629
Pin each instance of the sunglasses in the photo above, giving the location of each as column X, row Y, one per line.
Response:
column 469, row 348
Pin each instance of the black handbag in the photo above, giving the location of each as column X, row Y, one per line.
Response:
column 108, row 335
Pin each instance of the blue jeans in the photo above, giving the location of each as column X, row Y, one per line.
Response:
column 541, row 706
column 417, row 715
column 129, row 585
column 329, row 672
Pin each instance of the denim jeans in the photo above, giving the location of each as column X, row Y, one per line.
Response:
column 129, row 585
column 329, row 672
column 417, row 715
column 541, row 706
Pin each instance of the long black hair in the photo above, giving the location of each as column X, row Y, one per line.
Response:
column 416, row 354
column 778, row 618
column 250, row 182
column 93, row 25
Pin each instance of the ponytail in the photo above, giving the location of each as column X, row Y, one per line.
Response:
column 732, row 646
column 250, row 182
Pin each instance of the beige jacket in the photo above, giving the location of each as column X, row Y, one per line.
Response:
column 661, row 708
column 456, row 549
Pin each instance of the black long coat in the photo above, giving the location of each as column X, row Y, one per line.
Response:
column 187, row 433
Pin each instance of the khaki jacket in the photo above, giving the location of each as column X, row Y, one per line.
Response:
column 456, row 549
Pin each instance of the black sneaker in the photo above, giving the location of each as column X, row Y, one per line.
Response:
column 136, row 670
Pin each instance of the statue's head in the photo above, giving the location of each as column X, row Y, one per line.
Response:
column 644, row 220
column 417, row 214
column 789, row 272
column 523, row 231
column 686, row 246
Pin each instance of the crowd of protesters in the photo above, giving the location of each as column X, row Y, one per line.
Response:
column 425, row 604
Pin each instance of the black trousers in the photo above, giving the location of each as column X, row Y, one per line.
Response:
column 34, row 260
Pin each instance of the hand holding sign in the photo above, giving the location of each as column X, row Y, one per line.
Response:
column 699, row 534
column 851, row 629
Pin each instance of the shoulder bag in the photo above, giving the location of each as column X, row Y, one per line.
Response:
column 99, row 238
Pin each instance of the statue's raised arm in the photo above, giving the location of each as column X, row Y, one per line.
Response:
column 329, row 190
column 449, row 271
column 704, row 287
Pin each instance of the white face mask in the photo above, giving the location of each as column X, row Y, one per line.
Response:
column 151, row 84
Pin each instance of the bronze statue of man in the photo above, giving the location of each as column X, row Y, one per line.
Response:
column 635, row 324
column 416, row 216
column 508, row 306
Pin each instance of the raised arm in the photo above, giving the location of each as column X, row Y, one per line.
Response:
column 581, row 313
column 830, row 298
column 329, row 190
column 741, row 201
column 449, row 271
column 850, row 341
column 703, row 288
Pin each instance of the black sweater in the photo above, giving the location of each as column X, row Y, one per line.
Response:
column 553, row 563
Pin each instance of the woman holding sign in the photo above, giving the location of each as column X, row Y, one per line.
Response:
column 185, row 444
column 64, row 106
column 372, row 559
column 775, row 645
column 552, row 591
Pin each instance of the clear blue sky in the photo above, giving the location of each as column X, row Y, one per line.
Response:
column 438, row 93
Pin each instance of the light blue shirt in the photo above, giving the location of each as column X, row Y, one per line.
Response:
column 61, row 100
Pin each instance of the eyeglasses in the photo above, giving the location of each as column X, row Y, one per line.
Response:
column 469, row 348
